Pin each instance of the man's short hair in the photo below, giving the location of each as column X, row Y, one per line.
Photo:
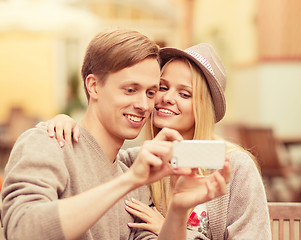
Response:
column 113, row 50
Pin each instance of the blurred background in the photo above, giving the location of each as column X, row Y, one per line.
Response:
column 42, row 43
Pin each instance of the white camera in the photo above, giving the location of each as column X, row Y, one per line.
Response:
column 206, row 154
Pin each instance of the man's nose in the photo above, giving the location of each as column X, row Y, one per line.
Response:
column 143, row 103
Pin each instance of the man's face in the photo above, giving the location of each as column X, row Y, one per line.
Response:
column 126, row 99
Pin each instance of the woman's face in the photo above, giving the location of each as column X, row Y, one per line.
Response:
column 173, row 103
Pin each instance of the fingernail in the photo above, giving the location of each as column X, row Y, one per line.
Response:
column 127, row 202
column 61, row 144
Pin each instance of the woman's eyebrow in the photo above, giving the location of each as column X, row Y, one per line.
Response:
column 185, row 86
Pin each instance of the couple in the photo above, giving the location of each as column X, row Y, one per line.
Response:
column 79, row 191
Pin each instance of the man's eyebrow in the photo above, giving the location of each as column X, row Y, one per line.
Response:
column 135, row 84
column 156, row 86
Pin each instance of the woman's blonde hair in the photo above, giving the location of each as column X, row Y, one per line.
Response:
column 203, row 129
column 204, row 116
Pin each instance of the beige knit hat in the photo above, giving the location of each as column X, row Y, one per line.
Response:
column 205, row 57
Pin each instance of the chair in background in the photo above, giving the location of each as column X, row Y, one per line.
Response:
column 281, row 178
column 262, row 143
column 17, row 122
column 285, row 220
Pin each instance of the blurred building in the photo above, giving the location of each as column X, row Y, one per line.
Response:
column 42, row 43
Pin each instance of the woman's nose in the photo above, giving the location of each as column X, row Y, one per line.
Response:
column 169, row 97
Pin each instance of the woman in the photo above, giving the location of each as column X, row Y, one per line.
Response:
column 191, row 100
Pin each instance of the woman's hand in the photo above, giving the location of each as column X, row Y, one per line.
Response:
column 153, row 219
column 195, row 189
column 63, row 127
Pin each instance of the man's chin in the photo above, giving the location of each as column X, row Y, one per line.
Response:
column 132, row 134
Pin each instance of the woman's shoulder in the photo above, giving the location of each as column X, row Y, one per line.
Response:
column 241, row 160
column 244, row 168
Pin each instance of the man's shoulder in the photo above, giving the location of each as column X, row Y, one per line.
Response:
column 35, row 142
column 38, row 135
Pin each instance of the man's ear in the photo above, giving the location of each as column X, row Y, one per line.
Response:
column 92, row 86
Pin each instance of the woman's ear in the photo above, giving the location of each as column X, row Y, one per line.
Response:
column 92, row 86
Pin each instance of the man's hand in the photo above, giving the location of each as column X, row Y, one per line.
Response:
column 153, row 160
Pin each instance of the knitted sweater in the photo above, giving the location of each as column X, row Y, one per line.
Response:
column 39, row 173
column 240, row 214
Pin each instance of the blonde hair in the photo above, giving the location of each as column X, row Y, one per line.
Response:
column 204, row 116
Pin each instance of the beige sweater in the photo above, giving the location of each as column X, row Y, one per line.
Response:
column 39, row 173
column 240, row 214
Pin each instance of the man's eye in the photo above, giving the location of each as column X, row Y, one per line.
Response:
column 129, row 90
column 151, row 93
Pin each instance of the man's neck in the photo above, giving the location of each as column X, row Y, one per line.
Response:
column 109, row 144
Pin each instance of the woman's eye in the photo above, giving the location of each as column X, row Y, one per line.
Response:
column 163, row 88
column 185, row 95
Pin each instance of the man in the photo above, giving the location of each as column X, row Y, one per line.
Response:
column 79, row 192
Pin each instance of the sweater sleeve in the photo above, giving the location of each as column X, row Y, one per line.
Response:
column 128, row 156
column 35, row 176
column 248, row 216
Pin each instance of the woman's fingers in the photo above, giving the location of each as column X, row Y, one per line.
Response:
column 137, row 205
column 216, row 185
column 181, row 171
column 153, row 219
column 139, row 210
column 136, row 213
column 59, row 132
column 41, row 124
column 167, row 134
column 210, row 190
column 76, row 133
column 50, row 129
column 67, row 133
column 222, row 185
column 140, row 225
column 63, row 127
column 226, row 171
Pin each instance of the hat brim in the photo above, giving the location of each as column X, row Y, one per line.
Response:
column 216, row 91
